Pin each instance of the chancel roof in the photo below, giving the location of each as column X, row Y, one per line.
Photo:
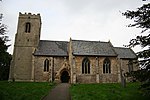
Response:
column 125, row 53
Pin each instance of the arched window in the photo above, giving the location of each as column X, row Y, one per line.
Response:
column 28, row 27
column 130, row 65
column 86, row 66
column 46, row 65
column 106, row 66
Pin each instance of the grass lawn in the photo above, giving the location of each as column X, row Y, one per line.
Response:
column 109, row 91
column 24, row 90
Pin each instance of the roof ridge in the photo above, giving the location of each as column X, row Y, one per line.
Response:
column 90, row 41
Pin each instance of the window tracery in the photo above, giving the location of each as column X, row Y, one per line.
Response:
column 106, row 66
column 86, row 66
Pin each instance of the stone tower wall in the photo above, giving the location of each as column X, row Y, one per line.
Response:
column 25, row 44
column 32, row 38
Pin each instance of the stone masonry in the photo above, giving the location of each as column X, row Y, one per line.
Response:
column 73, row 61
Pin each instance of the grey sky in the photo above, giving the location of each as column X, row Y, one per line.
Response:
column 98, row 20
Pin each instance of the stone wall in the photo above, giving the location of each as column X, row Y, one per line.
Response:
column 83, row 78
column 21, row 64
column 96, row 70
column 25, row 44
column 124, row 63
column 55, row 66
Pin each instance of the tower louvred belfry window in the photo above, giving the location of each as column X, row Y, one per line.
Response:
column 28, row 27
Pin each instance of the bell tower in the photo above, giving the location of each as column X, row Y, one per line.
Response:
column 26, row 41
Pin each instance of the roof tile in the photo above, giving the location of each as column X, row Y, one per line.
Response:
column 95, row 48
column 52, row 48
column 125, row 53
column 82, row 47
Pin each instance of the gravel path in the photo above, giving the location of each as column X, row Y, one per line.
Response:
column 60, row 92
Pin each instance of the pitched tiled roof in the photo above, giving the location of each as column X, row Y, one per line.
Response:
column 92, row 48
column 125, row 53
column 82, row 47
column 52, row 48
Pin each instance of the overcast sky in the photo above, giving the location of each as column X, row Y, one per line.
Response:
column 95, row 20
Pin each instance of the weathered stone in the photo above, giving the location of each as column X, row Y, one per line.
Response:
column 28, row 66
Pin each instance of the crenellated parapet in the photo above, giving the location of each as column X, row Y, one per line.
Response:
column 29, row 15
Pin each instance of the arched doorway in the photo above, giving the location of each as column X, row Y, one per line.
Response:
column 65, row 77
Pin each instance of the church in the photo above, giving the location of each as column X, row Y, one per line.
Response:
column 73, row 61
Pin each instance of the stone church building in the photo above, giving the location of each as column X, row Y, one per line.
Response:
column 73, row 61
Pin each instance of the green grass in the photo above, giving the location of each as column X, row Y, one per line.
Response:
column 24, row 90
column 109, row 91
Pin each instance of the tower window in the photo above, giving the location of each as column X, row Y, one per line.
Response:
column 28, row 27
column 106, row 66
column 46, row 65
column 86, row 66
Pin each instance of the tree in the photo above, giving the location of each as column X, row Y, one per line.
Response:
column 5, row 57
column 141, row 18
